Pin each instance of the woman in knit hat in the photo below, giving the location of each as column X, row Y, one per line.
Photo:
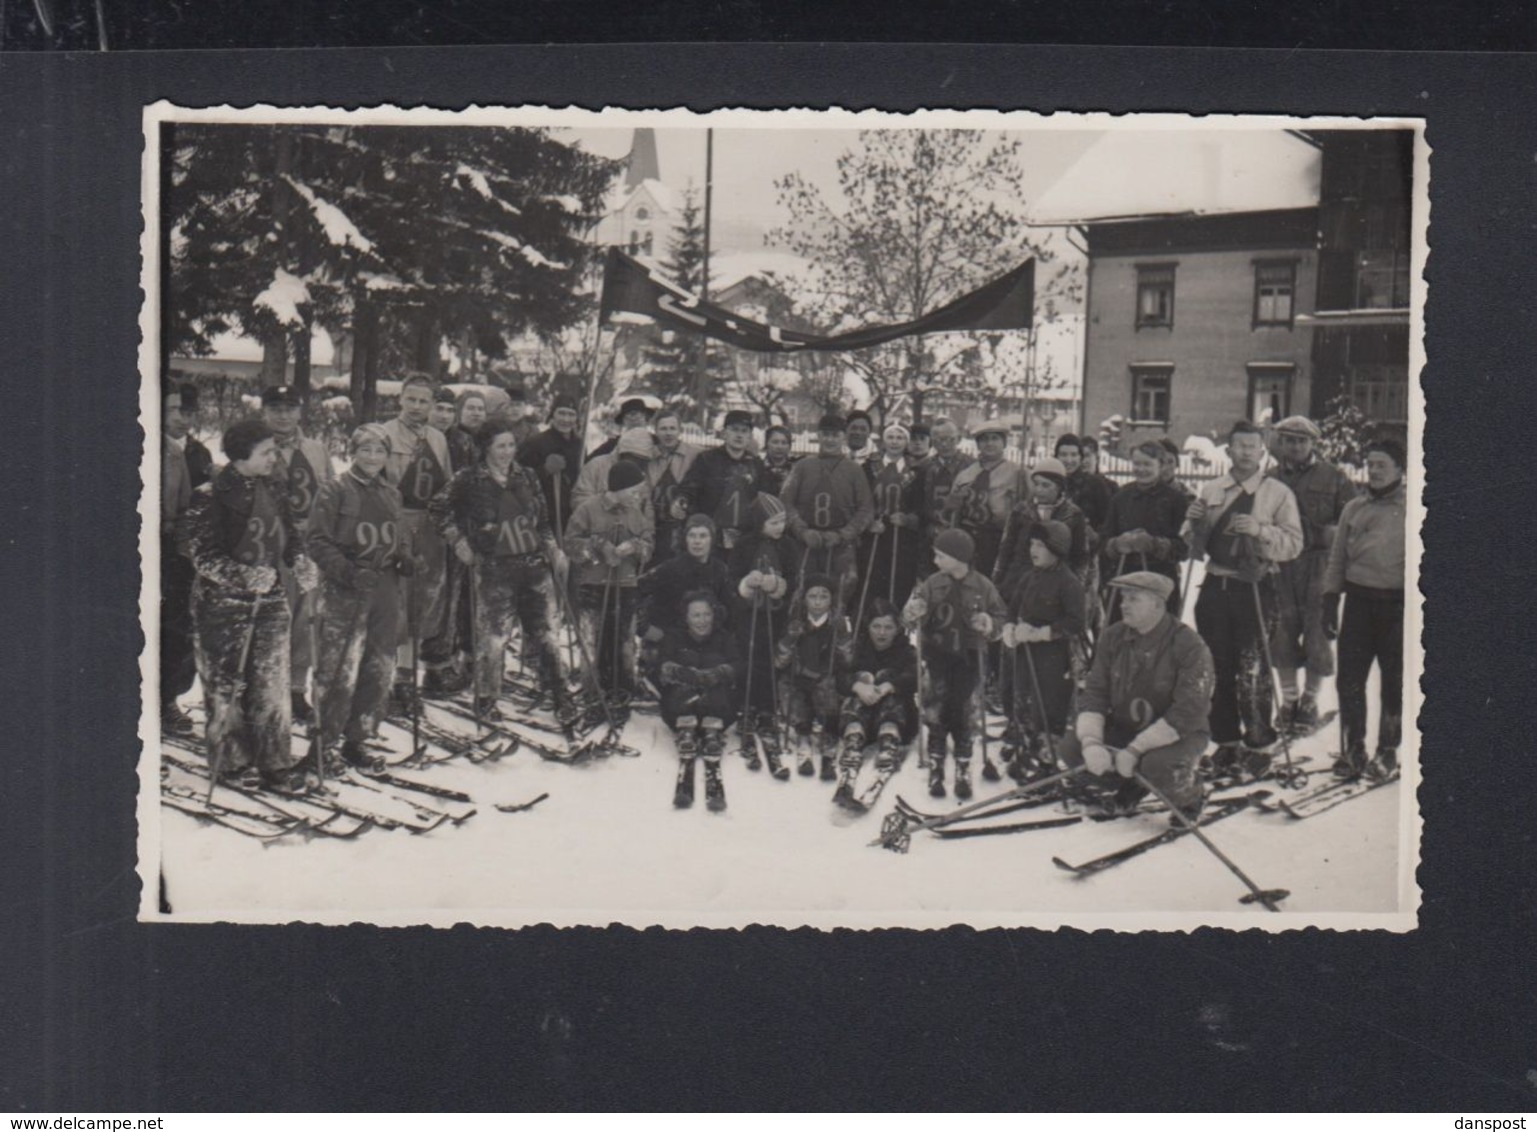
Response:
column 1045, row 618
column 1048, row 501
column 609, row 539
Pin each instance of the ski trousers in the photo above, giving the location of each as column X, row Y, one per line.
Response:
column 949, row 700
column 250, row 711
column 701, row 703
column 1243, row 703
column 1173, row 769
column 424, row 613
column 888, row 712
column 178, row 665
column 810, row 701
column 355, row 646
column 609, row 633
column 1299, row 640
column 1053, row 662
column 1372, row 629
column 300, row 654
column 505, row 589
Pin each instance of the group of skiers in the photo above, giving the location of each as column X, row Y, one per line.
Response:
column 884, row 583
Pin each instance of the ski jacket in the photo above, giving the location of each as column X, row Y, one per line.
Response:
column 951, row 603
column 939, row 475
column 355, row 526
column 418, row 464
column 236, row 524
column 828, row 493
column 759, row 552
column 662, row 590
column 1322, row 492
column 611, row 521
column 593, row 482
column 896, row 488
column 774, row 475
column 814, row 652
column 1137, row 680
column 1270, row 501
column 897, row 665
column 723, row 488
column 1159, row 510
column 533, row 456
column 665, row 472
column 303, row 465
column 1014, row 551
column 1368, row 548
column 1092, row 493
column 713, row 661
column 462, row 449
column 1054, row 597
column 983, row 497
column 500, row 520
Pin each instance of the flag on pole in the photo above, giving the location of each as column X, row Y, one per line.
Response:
column 1005, row 303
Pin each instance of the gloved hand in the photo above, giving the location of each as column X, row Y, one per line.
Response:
column 554, row 463
column 876, row 528
column 654, row 634
column 1137, row 542
column 674, row 673
column 915, row 610
column 306, row 574
column 1113, row 547
column 1244, row 525
column 832, row 539
column 1097, row 757
column 1008, row 637
column 405, row 566
column 261, row 579
column 1033, row 634
column 560, row 562
column 463, row 552
column 982, row 622
column 1126, row 763
column 796, row 629
column 606, row 552
column 628, row 549
column 868, row 694
column 754, row 580
column 718, row 677
column 365, row 580
column 1331, row 616
column 1196, row 511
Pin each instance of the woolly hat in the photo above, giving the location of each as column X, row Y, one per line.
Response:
column 369, row 432
column 623, row 474
column 899, row 429
column 635, row 442
column 1150, row 448
column 920, row 429
column 563, row 401
column 764, row 507
column 445, row 396
column 957, row 544
column 832, row 422
column 1299, row 426
column 1056, row 536
column 815, row 580
column 1051, row 468
column 1145, row 580
column 1390, row 448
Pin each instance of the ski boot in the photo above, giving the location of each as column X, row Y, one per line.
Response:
column 174, row 721
column 804, row 766
column 936, row 767
column 1224, row 761
column 747, row 732
column 1191, row 810
column 441, row 684
column 486, row 709
column 1384, row 766
column 773, row 753
column 688, row 748
column 889, row 758
column 848, row 766
column 713, row 743
column 1350, row 765
column 1254, row 762
column 404, row 702
column 303, row 714
column 290, row 780
column 962, row 778
column 361, row 759
column 989, row 769
column 819, row 742
column 1286, row 718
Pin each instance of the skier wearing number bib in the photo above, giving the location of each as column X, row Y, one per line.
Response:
column 958, row 611
column 493, row 516
column 242, row 541
column 354, row 538
column 303, row 467
column 670, row 461
column 722, row 483
column 829, row 503
column 419, row 467
column 470, row 414
column 983, row 493
column 1144, row 708
column 893, row 540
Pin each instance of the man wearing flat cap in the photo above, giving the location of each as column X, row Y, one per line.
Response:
column 1144, row 708
column 722, row 482
column 982, row 494
column 827, row 498
column 303, row 466
column 1322, row 492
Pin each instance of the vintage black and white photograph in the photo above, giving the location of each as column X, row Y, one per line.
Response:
column 807, row 518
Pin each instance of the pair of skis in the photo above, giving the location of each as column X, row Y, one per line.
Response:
column 1321, row 799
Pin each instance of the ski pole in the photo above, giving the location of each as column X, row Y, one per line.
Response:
column 864, row 590
column 1040, row 704
column 779, row 725
column 608, row 589
column 237, row 693
column 413, row 624
column 475, row 662
column 1269, row 897
column 752, row 649
column 891, row 581
column 1291, row 776
column 588, row 668
column 923, row 727
column 892, row 837
column 982, row 675
column 1184, row 593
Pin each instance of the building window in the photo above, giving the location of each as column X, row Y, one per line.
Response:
column 642, row 213
column 1270, row 393
column 1150, row 394
column 1275, row 289
column 1380, row 390
column 1155, row 295
column 1382, row 279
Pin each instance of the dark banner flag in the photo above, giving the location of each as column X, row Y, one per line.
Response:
column 1006, row 303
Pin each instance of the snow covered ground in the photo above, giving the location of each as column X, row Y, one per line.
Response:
column 606, row 846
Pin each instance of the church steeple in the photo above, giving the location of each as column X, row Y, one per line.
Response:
column 642, row 164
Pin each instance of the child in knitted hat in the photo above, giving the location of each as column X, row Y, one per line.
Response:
column 816, row 640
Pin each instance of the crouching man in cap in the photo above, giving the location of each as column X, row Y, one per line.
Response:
column 1144, row 708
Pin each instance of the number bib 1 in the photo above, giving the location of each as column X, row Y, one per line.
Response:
column 732, row 512
column 423, row 478
column 263, row 540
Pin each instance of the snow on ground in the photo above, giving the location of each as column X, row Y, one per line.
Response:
column 607, row 846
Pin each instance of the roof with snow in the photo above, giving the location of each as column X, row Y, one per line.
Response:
column 1157, row 172
column 660, row 194
column 731, row 268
